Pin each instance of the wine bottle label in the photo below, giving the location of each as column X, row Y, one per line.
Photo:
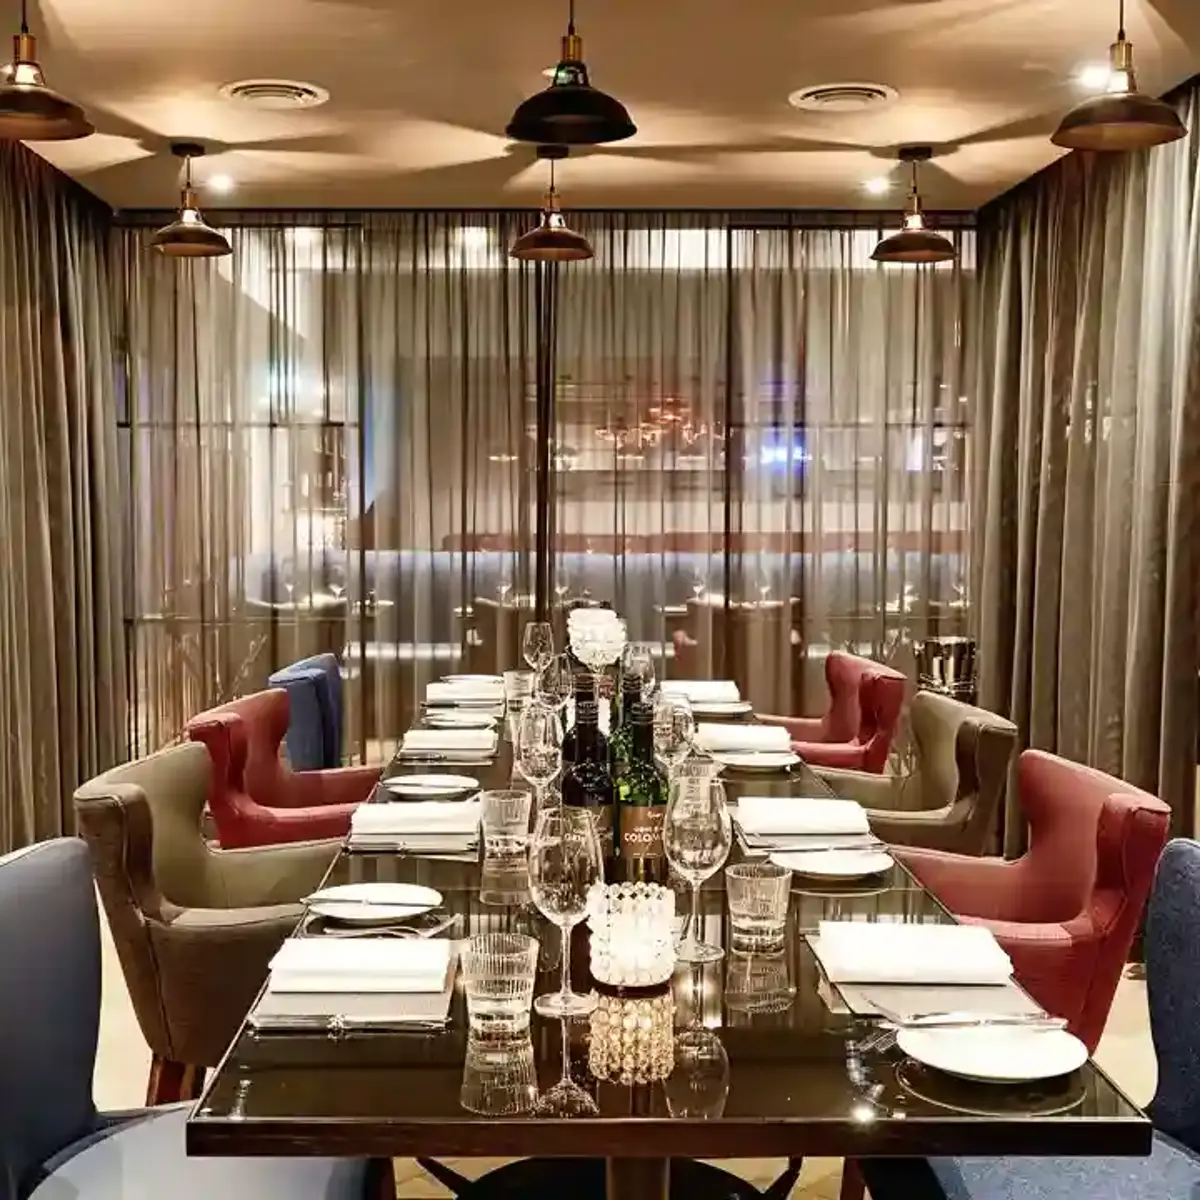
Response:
column 603, row 817
column 641, row 831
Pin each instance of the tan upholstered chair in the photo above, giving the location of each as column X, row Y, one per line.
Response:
column 949, row 802
column 194, row 926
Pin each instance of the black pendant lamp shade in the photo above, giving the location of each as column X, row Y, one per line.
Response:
column 189, row 235
column 551, row 240
column 915, row 242
column 570, row 112
column 1122, row 118
column 29, row 110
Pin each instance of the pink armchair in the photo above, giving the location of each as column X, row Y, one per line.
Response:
column 256, row 799
column 865, row 701
column 1067, row 910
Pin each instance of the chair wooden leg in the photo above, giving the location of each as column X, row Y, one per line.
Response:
column 446, row 1176
column 853, row 1185
column 171, row 1082
column 381, row 1179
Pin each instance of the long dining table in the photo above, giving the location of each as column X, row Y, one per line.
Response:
column 804, row 1079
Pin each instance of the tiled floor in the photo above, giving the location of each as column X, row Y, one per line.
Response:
column 121, row 1068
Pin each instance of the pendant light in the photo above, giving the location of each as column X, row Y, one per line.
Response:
column 551, row 240
column 1122, row 118
column 916, row 242
column 29, row 110
column 570, row 112
column 189, row 235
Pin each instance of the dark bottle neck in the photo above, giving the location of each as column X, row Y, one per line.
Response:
column 641, row 725
column 587, row 727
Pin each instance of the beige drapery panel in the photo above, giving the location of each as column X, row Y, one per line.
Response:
column 760, row 451
column 1088, row 492
column 62, row 685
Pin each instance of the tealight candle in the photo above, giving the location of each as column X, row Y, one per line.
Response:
column 632, row 927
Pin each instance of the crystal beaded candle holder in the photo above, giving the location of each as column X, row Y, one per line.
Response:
column 632, row 933
column 632, row 1038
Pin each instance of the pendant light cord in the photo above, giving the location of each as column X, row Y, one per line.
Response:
column 1120, row 20
column 25, row 16
column 187, row 172
column 552, row 175
column 915, row 192
column 571, row 19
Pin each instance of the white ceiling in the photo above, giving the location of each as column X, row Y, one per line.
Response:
column 422, row 89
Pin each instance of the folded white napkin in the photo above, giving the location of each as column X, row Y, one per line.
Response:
column 889, row 952
column 800, row 815
column 450, row 739
column 416, row 816
column 465, row 692
column 367, row 964
column 702, row 691
column 718, row 739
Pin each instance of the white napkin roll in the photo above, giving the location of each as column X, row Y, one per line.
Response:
column 419, row 816
column 717, row 738
column 464, row 692
column 365, row 964
column 888, row 952
column 800, row 815
column 702, row 691
column 450, row 739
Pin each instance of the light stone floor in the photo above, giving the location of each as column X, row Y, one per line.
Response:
column 1126, row 1053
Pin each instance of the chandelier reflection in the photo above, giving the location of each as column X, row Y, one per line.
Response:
column 632, row 1038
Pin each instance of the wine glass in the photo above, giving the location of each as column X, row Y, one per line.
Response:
column 597, row 639
column 539, row 747
column 556, row 683
column 537, row 644
column 566, row 1098
column 674, row 731
column 697, row 835
column 699, row 1084
column 564, row 862
column 638, row 660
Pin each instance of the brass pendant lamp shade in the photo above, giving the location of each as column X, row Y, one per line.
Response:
column 570, row 112
column 29, row 110
column 552, row 239
column 915, row 242
column 1122, row 118
column 189, row 235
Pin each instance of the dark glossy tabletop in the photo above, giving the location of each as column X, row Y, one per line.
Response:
column 801, row 1080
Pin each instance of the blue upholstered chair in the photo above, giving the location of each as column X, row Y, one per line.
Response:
column 314, row 688
column 54, row 1145
column 1172, row 1170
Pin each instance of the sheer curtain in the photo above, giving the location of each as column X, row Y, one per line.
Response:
column 1089, row 494
column 61, row 685
column 759, row 450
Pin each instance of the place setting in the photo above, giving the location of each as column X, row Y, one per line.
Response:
column 448, row 745
column 746, row 747
column 718, row 698
column 943, row 995
column 425, row 826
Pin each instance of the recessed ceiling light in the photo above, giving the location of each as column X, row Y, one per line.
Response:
column 221, row 184
column 843, row 97
column 1094, row 77
column 275, row 93
column 877, row 186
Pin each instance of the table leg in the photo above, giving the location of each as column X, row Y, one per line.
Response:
column 637, row 1178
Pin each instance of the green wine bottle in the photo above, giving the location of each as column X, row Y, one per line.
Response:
column 620, row 729
column 586, row 783
column 641, row 804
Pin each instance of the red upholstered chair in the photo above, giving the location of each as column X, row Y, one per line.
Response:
column 256, row 799
column 865, row 701
column 1068, row 909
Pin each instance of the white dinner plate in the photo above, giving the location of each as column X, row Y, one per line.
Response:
column 492, row 679
column 373, row 903
column 757, row 760
column 720, row 708
column 834, row 864
column 995, row 1053
column 452, row 718
column 431, row 787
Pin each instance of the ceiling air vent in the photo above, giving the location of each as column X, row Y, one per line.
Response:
column 275, row 93
column 843, row 97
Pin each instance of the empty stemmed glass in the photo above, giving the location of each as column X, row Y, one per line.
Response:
column 539, row 747
column 597, row 639
column 537, row 645
column 564, row 862
column 637, row 660
column 698, row 1086
column 556, row 683
column 674, row 731
column 697, row 834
